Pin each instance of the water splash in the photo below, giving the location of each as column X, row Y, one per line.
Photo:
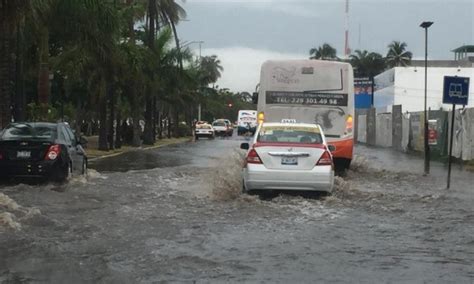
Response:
column 93, row 174
column 359, row 164
column 13, row 213
column 227, row 178
column 8, row 221
column 8, row 203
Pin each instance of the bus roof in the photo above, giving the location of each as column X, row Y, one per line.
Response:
column 304, row 62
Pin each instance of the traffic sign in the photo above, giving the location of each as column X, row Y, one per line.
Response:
column 456, row 90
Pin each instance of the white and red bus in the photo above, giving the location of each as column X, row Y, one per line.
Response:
column 311, row 91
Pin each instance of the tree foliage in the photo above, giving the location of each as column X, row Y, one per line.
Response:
column 397, row 54
column 367, row 64
column 113, row 67
column 323, row 52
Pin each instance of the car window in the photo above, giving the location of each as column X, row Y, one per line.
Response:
column 220, row 123
column 290, row 134
column 63, row 133
column 28, row 131
column 70, row 134
column 62, row 136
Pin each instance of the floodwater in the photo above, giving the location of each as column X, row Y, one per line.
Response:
column 176, row 214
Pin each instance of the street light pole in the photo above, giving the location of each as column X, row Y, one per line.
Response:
column 199, row 105
column 426, row 25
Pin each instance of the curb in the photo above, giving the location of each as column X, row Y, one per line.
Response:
column 138, row 149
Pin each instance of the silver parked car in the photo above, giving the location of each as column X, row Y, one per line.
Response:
column 288, row 156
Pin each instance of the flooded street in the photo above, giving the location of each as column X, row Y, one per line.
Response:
column 176, row 214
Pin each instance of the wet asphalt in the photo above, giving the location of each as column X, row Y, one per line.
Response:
column 176, row 215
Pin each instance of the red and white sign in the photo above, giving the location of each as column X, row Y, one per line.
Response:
column 432, row 132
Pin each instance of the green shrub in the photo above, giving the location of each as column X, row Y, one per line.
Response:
column 184, row 130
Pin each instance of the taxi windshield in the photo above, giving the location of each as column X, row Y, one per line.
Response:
column 290, row 134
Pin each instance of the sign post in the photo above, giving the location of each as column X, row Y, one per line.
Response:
column 455, row 92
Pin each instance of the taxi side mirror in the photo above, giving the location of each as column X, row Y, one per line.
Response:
column 332, row 148
column 244, row 146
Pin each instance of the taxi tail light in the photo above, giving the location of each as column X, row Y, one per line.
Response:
column 53, row 152
column 253, row 158
column 325, row 160
column 349, row 124
column 1, row 155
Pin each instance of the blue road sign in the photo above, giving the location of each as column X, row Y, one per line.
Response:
column 456, row 90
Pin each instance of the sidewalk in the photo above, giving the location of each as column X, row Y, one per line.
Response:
column 388, row 159
column 94, row 154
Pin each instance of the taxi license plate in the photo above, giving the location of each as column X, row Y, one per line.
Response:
column 292, row 161
column 23, row 154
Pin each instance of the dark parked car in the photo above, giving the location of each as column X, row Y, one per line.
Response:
column 40, row 149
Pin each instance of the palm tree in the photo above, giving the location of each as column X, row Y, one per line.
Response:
column 11, row 11
column 367, row 64
column 159, row 13
column 211, row 69
column 171, row 13
column 89, row 34
column 324, row 52
column 397, row 54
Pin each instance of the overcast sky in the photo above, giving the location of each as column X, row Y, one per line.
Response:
column 244, row 33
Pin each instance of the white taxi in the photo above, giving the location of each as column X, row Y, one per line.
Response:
column 288, row 156
column 204, row 130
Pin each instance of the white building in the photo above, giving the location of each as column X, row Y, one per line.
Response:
column 405, row 86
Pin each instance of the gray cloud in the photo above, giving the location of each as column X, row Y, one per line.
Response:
column 293, row 27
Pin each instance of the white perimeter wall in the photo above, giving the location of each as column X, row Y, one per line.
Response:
column 406, row 86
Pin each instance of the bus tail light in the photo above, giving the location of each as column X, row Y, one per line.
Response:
column 349, row 124
column 261, row 117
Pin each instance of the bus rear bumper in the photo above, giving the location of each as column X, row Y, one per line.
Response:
column 344, row 148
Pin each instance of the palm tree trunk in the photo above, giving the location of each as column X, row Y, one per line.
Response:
column 78, row 118
column 118, row 130
column 148, row 137
column 169, row 121
column 111, row 100
column 19, row 101
column 176, row 39
column 103, row 145
column 160, row 125
column 155, row 115
column 43, row 75
column 6, row 34
column 176, row 122
column 136, row 140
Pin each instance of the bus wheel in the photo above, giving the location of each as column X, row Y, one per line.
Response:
column 341, row 166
